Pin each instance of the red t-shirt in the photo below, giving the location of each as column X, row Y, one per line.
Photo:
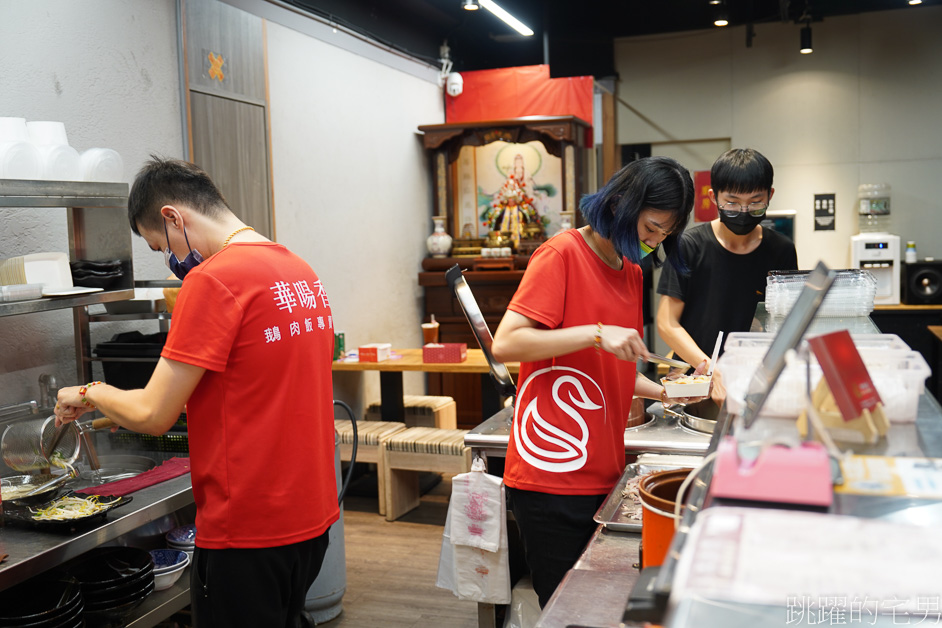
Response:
column 260, row 421
column 568, row 435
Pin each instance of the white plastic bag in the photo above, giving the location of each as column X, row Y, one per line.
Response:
column 479, row 507
column 470, row 572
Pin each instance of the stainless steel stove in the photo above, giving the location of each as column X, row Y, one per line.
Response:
column 659, row 435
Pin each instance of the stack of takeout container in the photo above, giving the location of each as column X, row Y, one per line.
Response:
column 852, row 293
column 898, row 372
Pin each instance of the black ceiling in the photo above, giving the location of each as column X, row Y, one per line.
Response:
column 574, row 36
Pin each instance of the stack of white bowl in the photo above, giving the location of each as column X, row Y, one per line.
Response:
column 168, row 567
column 182, row 538
column 40, row 150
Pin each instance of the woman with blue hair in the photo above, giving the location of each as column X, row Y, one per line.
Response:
column 575, row 326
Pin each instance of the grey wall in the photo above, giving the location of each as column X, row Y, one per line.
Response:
column 863, row 108
column 108, row 69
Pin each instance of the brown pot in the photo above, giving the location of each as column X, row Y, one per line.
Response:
column 636, row 415
column 658, row 496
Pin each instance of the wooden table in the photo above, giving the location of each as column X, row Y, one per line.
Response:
column 402, row 360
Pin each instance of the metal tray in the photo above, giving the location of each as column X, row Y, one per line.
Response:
column 615, row 510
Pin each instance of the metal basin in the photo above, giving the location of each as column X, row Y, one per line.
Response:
column 700, row 416
column 121, row 467
column 35, row 481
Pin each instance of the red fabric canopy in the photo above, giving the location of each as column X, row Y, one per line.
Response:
column 508, row 93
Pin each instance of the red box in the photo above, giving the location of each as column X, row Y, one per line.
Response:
column 374, row 352
column 445, row 352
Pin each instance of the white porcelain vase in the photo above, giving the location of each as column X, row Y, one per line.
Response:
column 439, row 243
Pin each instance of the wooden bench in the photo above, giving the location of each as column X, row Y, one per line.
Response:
column 407, row 453
column 370, row 434
column 422, row 411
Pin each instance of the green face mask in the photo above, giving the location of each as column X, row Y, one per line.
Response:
column 645, row 249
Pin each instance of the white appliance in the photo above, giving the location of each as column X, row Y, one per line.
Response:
column 879, row 253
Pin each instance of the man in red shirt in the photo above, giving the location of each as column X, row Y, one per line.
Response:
column 249, row 354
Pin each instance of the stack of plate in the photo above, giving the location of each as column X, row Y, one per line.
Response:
column 183, row 538
column 168, row 567
column 42, row 603
column 114, row 581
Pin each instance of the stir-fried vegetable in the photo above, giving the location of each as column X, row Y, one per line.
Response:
column 69, row 508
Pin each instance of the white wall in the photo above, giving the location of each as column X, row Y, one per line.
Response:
column 863, row 108
column 352, row 192
column 108, row 69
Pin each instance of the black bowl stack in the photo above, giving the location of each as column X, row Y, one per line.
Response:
column 97, row 274
column 114, row 581
column 42, row 603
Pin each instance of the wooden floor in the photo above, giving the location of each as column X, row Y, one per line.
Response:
column 392, row 565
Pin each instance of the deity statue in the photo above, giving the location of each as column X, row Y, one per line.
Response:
column 512, row 208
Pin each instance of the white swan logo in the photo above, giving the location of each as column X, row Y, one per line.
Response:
column 569, row 451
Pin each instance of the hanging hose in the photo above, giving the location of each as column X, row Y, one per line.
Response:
column 353, row 455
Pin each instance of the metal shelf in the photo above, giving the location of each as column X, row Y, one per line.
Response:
column 47, row 304
column 130, row 316
column 25, row 193
column 160, row 605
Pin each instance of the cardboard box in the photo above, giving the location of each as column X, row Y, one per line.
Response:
column 374, row 352
column 445, row 352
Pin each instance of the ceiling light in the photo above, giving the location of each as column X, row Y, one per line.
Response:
column 806, row 48
column 513, row 22
column 715, row 1
column 470, row 5
column 915, row 2
column 720, row 15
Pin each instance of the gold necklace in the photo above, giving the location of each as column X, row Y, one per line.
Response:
column 615, row 261
column 239, row 230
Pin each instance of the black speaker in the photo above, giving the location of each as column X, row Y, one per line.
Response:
column 922, row 283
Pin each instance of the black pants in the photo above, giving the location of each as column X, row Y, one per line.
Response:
column 554, row 530
column 231, row 588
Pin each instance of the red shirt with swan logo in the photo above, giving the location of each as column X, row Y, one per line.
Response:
column 571, row 411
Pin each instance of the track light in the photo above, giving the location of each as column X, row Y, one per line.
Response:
column 508, row 19
column 806, row 48
column 470, row 5
column 720, row 15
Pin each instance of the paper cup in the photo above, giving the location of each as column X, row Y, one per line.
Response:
column 47, row 132
column 60, row 163
column 13, row 130
column 20, row 160
column 101, row 164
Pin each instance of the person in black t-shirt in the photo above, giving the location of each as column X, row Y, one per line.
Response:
column 729, row 259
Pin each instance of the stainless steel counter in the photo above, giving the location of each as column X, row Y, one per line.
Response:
column 595, row 591
column 32, row 552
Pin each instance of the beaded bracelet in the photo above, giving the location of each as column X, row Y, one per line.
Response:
column 598, row 337
column 82, row 392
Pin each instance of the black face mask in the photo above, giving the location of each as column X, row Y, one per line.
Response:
column 742, row 224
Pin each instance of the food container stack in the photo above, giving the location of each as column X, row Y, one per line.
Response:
column 852, row 293
column 898, row 372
